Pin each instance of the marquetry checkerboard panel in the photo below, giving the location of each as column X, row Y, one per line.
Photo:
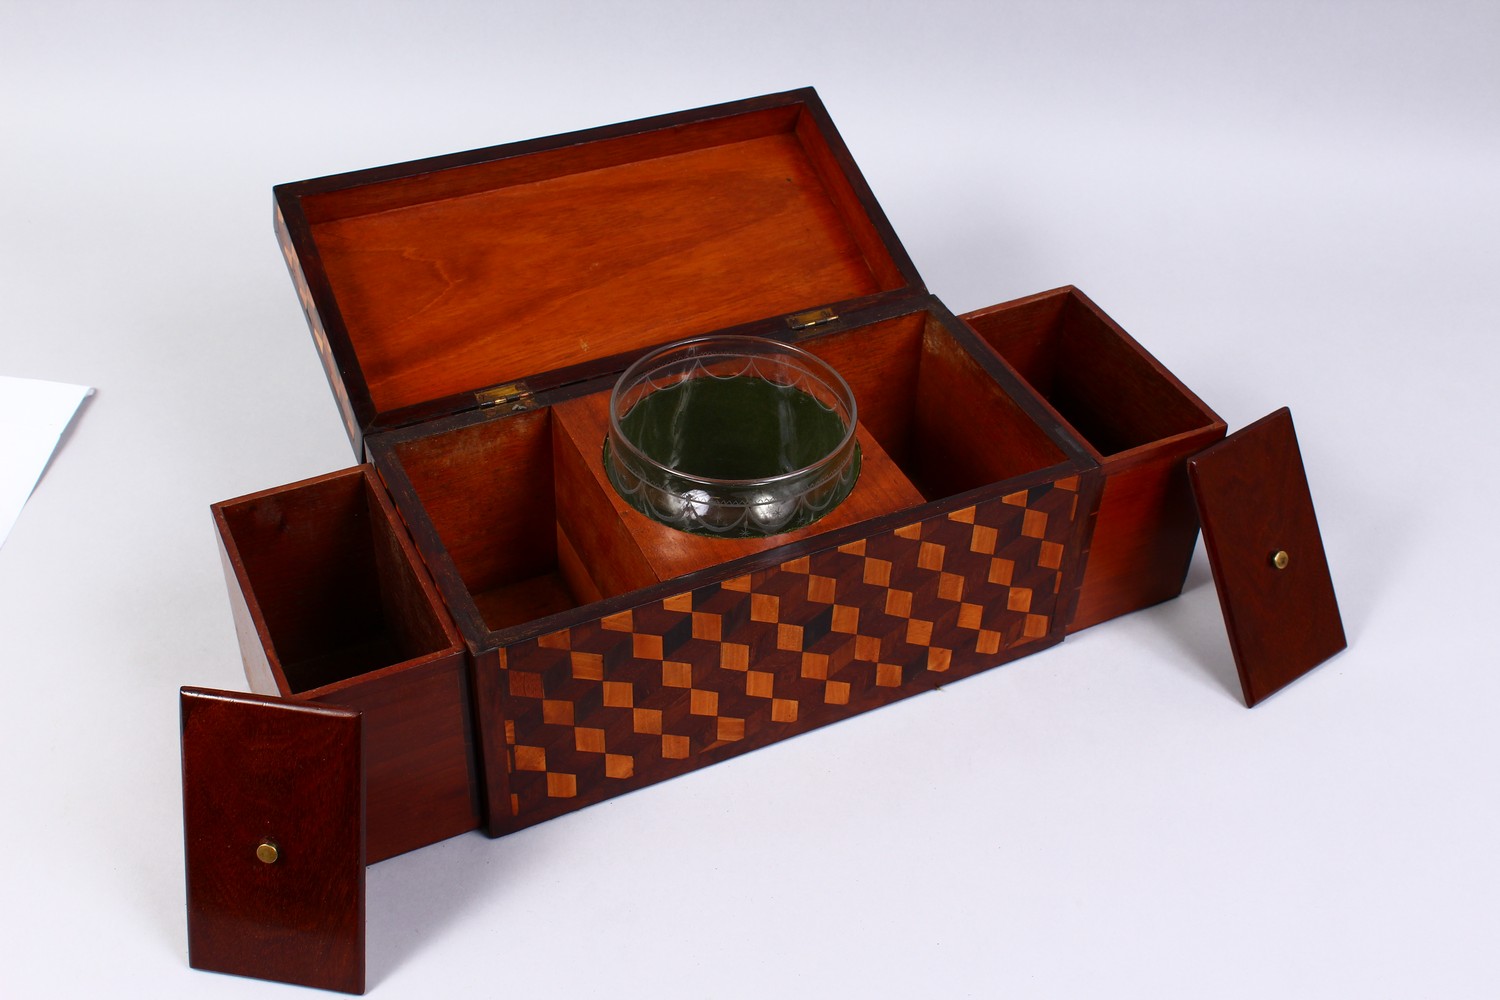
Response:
column 674, row 684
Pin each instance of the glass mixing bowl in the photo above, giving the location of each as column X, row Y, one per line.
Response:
column 732, row 436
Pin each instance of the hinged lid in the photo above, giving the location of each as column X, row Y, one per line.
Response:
column 552, row 260
column 273, row 835
column 1262, row 539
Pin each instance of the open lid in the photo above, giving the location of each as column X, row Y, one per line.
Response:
column 274, row 837
column 1263, row 544
column 433, row 286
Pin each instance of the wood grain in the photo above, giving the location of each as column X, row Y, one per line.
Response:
column 487, row 489
column 430, row 280
column 1251, row 490
column 331, row 604
column 259, row 769
column 1135, row 418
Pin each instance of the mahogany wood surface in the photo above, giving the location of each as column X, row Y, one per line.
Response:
column 967, row 429
column 936, row 411
column 260, row 770
column 421, row 777
column 307, row 555
column 1144, row 533
column 880, row 361
column 1137, row 419
column 430, row 280
column 331, row 604
column 487, row 491
column 571, row 567
column 461, row 293
column 1251, row 490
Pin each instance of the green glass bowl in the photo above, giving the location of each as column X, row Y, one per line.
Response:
column 732, row 436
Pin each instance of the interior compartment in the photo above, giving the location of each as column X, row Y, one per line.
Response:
column 585, row 250
column 1138, row 421
column 336, row 593
column 1103, row 383
column 488, row 484
column 945, row 422
column 487, row 489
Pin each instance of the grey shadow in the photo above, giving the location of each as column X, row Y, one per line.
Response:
column 1194, row 623
column 412, row 900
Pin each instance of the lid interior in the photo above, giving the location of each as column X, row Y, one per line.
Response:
column 447, row 281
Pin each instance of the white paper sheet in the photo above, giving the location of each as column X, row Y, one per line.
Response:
column 33, row 416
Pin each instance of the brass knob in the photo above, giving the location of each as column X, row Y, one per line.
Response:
column 267, row 852
column 1280, row 559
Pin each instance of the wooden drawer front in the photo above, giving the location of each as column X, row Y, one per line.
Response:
column 582, row 714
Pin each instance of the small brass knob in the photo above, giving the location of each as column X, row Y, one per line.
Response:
column 1280, row 559
column 267, row 852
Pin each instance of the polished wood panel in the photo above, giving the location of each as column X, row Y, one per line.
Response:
column 1135, row 418
column 427, row 281
column 880, row 361
column 306, row 557
column 266, row 771
column 1251, row 490
column 1144, row 534
column 487, row 490
column 967, row 429
column 462, row 293
column 423, row 784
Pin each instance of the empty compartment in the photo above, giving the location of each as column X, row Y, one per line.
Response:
column 1113, row 393
column 582, row 247
column 485, row 489
column 945, row 420
column 331, row 605
column 327, row 583
column 1138, row 421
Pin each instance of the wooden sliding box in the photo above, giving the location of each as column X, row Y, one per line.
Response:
column 332, row 605
column 473, row 312
column 1135, row 419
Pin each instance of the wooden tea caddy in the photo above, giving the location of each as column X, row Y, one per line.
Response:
column 471, row 630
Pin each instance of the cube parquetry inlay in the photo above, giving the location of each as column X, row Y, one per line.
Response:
column 676, row 683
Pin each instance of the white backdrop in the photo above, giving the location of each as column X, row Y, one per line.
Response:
column 1288, row 203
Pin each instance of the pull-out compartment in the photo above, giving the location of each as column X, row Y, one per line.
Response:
column 332, row 605
column 1136, row 420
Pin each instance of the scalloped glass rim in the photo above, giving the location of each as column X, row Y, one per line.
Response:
column 732, row 507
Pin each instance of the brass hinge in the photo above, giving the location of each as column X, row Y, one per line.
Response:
column 813, row 317
column 513, row 396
